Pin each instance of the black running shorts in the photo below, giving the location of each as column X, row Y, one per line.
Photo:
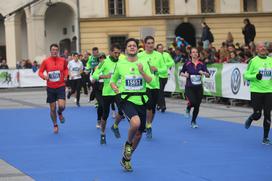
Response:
column 130, row 109
column 53, row 94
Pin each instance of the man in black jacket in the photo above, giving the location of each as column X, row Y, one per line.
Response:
column 249, row 32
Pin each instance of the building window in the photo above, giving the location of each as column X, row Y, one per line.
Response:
column 116, row 7
column 120, row 40
column 250, row 5
column 207, row 6
column 162, row 6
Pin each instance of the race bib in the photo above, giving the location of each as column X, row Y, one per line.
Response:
column 267, row 74
column 134, row 82
column 54, row 76
column 195, row 79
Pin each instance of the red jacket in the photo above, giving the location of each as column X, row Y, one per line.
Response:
column 56, row 69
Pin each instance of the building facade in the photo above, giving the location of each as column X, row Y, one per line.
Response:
column 27, row 28
column 105, row 21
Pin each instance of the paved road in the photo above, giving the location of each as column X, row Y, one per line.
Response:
column 35, row 98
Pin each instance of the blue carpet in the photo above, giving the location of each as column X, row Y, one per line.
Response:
column 217, row 151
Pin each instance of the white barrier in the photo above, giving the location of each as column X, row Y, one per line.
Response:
column 20, row 78
column 28, row 78
column 226, row 80
column 9, row 78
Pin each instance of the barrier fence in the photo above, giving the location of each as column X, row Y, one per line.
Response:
column 226, row 80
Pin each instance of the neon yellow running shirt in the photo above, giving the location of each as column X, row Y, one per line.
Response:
column 154, row 59
column 131, row 79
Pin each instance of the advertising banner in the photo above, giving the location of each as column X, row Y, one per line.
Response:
column 212, row 85
column 28, row 78
column 233, row 83
column 9, row 78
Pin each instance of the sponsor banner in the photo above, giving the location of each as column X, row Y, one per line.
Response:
column 212, row 85
column 233, row 83
column 9, row 78
column 28, row 78
column 171, row 82
column 180, row 81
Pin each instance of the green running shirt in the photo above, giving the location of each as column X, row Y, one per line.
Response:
column 131, row 79
column 169, row 62
column 105, row 68
column 154, row 59
column 264, row 66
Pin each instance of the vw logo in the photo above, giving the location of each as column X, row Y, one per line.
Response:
column 235, row 81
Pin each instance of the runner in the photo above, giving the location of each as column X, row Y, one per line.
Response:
column 169, row 62
column 98, row 93
column 56, row 74
column 134, row 73
column 92, row 62
column 157, row 67
column 259, row 73
column 193, row 70
column 109, row 96
column 75, row 68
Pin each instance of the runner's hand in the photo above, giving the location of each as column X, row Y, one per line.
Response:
column 259, row 76
column 45, row 77
column 140, row 67
column 186, row 74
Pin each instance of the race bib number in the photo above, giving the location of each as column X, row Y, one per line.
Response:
column 54, row 76
column 195, row 79
column 267, row 74
column 134, row 83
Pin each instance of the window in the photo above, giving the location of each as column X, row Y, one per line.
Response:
column 250, row 5
column 207, row 6
column 116, row 7
column 162, row 6
column 120, row 40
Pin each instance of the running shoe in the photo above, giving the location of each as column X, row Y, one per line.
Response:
column 127, row 151
column 149, row 133
column 187, row 113
column 115, row 131
column 248, row 122
column 126, row 165
column 194, row 125
column 69, row 95
column 266, row 141
column 56, row 129
column 61, row 118
column 78, row 105
column 103, row 139
column 163, row 109
column 96, row 105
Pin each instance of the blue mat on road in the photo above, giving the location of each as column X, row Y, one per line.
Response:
column 216, row 151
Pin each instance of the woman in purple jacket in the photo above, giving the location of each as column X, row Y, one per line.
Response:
column 193, row 71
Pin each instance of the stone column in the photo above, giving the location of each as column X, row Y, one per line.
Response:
column 35, row 34
column 12, row 30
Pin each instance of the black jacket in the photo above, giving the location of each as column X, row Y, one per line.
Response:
column 249, row 33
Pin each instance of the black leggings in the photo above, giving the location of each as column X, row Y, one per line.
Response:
column 75, row 87
column 194, row 96
column 99, row 98
column 262, row 101
column 107, row 101
column 161, row 99
column 152, row 99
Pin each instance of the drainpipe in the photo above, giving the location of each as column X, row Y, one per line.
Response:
column 78, row 25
